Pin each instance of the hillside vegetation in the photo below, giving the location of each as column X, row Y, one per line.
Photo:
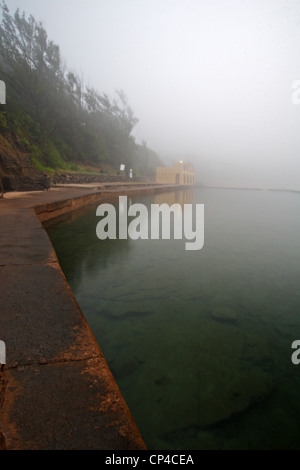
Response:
column 59, row 123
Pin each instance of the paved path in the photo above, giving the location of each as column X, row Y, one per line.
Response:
column 56, row 390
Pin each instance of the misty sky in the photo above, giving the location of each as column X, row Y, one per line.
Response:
column 209, row 80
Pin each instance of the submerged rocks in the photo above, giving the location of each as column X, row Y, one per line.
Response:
column 124, row 365
column 120, row 315
column 224, row 314
column 207, row 379
column 231, row 393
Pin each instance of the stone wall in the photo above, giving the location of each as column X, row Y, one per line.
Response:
column 18, row 172
column 82, row 178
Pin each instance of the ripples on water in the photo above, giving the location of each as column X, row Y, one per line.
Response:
column 199, row 341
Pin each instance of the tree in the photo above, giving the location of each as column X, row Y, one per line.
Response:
column 50, row 104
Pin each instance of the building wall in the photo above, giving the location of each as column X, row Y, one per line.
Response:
column 179, row 173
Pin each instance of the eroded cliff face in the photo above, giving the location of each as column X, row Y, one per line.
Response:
column 17, row 171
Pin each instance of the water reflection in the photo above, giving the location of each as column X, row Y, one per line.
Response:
column 185, row 196
column 78, row 249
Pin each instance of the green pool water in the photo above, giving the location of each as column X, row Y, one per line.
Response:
column 199, row 342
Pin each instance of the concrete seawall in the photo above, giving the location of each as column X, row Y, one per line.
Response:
column 56, row 390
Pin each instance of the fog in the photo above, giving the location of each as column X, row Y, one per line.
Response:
column 209, row 81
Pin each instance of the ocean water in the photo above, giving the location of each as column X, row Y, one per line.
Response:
column 199, row 342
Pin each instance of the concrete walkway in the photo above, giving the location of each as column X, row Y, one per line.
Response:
column 56, row 390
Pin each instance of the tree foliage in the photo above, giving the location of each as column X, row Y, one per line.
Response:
column 50, row 105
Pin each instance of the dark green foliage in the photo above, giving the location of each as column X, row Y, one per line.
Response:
column 58, row 120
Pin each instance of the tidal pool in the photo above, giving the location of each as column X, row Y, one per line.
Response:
column 199, row 342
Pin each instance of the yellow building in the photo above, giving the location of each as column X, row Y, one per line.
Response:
column 179, row 173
